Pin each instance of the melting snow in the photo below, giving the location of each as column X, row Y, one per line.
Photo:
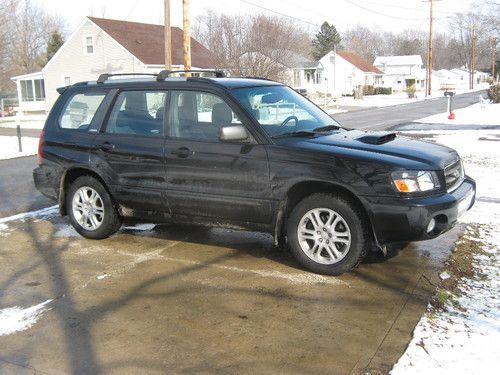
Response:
column 15, row 319
column 467, row 340
column 42, row 214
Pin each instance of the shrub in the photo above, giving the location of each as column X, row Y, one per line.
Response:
column 411, row 91
column 368, row 90
column 494, row 93
column 383, row 90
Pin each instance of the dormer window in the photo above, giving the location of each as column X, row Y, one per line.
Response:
column 89, row 45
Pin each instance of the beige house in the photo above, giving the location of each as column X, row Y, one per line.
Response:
column 98, row 46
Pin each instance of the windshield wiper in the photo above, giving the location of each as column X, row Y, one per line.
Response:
column 327, row 128
column 301, row 133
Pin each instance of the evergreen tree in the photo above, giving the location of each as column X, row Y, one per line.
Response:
column 55, row 42
column 326, row 40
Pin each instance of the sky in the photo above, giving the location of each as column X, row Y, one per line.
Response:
column 391, row 15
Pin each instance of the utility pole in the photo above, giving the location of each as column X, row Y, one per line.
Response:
column 168, row 36
column 428, row 77
column 493, row 57
column 472, row 64
column 186, row 36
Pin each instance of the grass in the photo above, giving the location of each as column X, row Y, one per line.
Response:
column 460, row 265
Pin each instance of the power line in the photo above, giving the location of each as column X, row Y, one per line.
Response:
column 279, row 13
column 383, row 14
column 384, row 3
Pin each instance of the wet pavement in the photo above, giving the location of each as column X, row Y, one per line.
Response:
column 178, row 299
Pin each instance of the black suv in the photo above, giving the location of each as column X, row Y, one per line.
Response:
column 244, row 153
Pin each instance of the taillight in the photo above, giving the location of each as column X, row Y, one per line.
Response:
column 40, row 148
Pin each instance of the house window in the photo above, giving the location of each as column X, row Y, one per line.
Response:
column 32, row 90
column 89, row 45
column 296, row 77
column 67, row 81
column 318, row 77
column 39, row 89
column 27, row 90
column 332, row 59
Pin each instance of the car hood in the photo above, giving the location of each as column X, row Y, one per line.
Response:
column 383, row 146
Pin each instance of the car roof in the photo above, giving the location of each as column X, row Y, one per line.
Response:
column 226, row 82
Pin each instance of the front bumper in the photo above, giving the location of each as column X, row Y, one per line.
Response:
column 406, row 219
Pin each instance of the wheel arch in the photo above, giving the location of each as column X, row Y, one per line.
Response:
column 71, row 175
column 305, row 188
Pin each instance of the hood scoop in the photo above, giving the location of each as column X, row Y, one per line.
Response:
column 377, row 138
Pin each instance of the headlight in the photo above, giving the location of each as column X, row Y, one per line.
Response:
column 415, row 181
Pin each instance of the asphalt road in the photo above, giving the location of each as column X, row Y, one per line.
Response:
column 17, row 191
column 387, row 117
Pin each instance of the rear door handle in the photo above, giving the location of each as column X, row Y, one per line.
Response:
column 182, row 152
column 106, row 146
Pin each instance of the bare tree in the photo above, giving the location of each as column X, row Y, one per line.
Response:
column 7, row 10
column 365, row 42
column 25, row 32
column 252, row 46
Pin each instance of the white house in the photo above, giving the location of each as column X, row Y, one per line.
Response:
column 401, row 72
column 337, row 73
column 98, row 46
column 445, row 79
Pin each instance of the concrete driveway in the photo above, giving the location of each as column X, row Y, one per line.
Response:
column 173, row 299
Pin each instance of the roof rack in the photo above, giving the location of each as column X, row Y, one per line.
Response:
column 166, row 73
column 256, row 77
column 105, row 76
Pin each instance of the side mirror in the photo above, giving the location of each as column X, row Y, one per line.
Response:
column 234, row 133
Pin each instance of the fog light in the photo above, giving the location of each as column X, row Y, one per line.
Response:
column 431, row 226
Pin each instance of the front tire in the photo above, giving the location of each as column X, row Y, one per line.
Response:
column 91, row 210
column 327, row 234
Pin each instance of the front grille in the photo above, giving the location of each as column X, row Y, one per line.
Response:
column 454, row 174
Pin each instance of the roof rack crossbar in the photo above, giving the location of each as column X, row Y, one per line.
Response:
column 166, row 73
column 105, row 76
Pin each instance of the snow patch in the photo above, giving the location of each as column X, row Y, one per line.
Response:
column 16, row 319
column 141, row 227
column 9, row 147
column 42, row 214
column 65, row 230
column 476, row 114
column 466, row 340
column 444, row 275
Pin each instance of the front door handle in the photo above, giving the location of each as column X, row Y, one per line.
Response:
column 182, row 152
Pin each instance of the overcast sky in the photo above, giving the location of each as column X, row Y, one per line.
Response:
column 393, row 15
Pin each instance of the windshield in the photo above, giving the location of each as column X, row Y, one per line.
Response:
column 282, row 111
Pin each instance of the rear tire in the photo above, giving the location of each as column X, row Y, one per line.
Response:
column 327, row 234
column 91, row 210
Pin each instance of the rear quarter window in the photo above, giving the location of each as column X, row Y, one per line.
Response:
column 80, row 110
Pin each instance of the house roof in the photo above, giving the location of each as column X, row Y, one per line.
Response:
column 398, row 60
column 359, row 62
column 300, row 62
column 147, row 42
column 34, row 75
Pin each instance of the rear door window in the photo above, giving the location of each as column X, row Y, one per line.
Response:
column 138, row 113
column 80, row 110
